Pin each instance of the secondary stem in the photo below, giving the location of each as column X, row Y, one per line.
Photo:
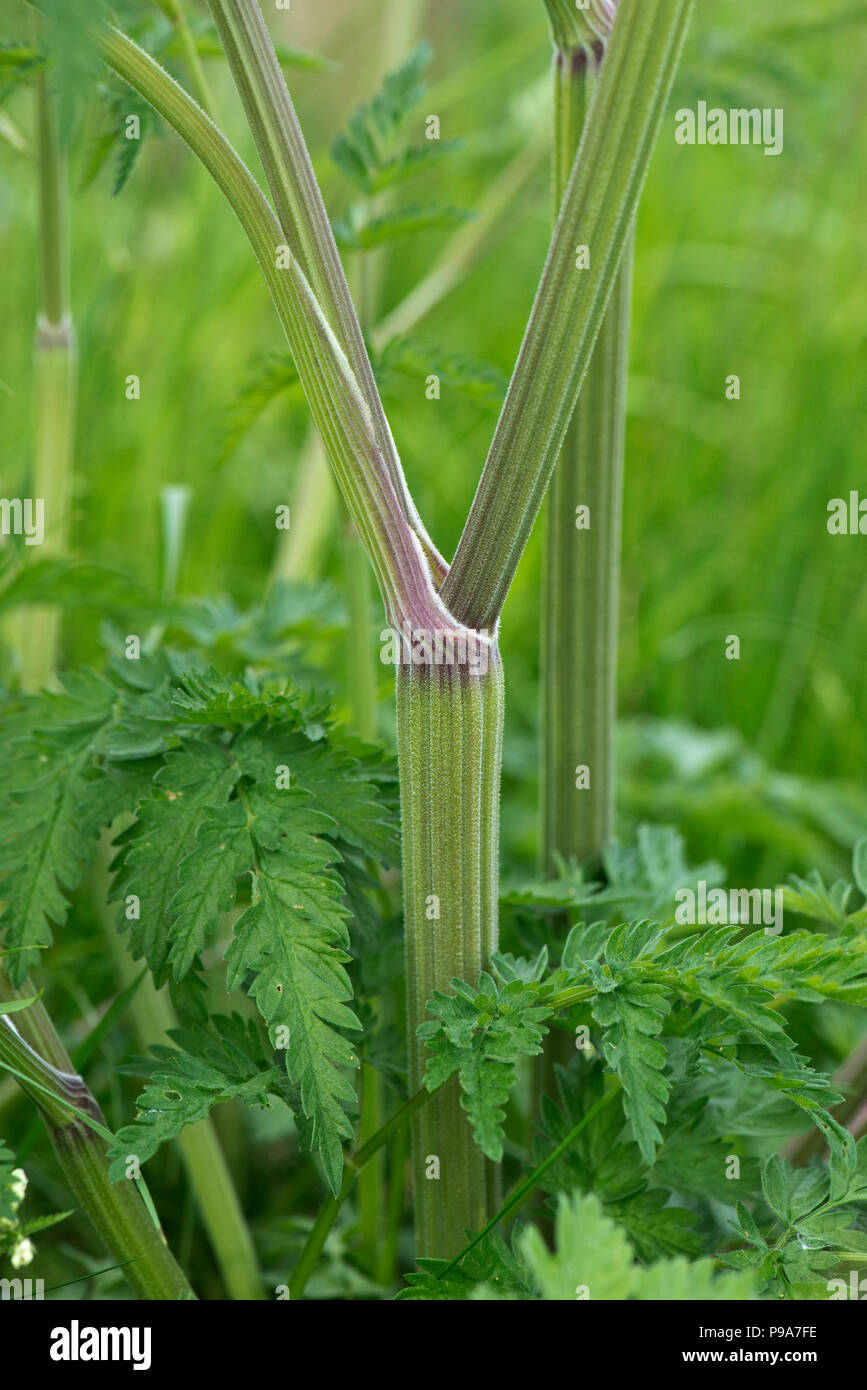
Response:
column 34, row 1051
column 595, row 221
column 174, row 11
column 582, row 551
column 329, row 1212
column 850, row 1077
column 204, row 1161
column 55, row 373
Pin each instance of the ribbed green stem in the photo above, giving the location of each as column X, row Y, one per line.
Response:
column 580, row 605
column 449, row 732
column 55, row 378
column 305, row 222
column 598, row 213
column 582, row 564
column 361, row 649
column 115, row 1209
column 119, row 1216
column 398, row 31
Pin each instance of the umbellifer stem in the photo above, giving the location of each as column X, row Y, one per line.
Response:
column 578, row 668
column 115, row 1209
column 207, row 1169
column 55, row 378
column 449, row 732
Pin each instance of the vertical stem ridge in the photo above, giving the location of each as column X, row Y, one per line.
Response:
column 55, row 384
column 582, row 566
column 449, row 743
column 580, row 605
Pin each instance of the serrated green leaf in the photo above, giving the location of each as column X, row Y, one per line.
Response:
column 207, row 877
column 362, row 231
column 592, row 1258
column 51, row 809
column 405, row 356
column 368, row 151
column 207, row 1067
column 148, row 870
column 292, row 936
column 265, row 381
column 633, row 1016
column 480, row 1034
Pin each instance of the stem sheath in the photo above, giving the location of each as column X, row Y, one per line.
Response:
column 449, row 733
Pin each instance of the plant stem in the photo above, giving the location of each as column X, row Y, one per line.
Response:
column 398, row 31
column 449, row 738
column 403, row 558
column 598, row 213
column 329, row 1212
column 116, row 1210
column 173, row 10
column 578, row 667
column 205, row 1163
column 299, row 549
column 526, row 1186
column 850, row 1077
column 305, row 223
column 55, row 372
column 580, row 606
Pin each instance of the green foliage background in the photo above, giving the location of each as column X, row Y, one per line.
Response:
column 745, row 264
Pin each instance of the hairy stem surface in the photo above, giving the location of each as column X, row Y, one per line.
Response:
column 32, row 1051
column 449, row 730
column 578, row 668
column 595, row 221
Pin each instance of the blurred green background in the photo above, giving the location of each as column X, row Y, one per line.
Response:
column 745, row 264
